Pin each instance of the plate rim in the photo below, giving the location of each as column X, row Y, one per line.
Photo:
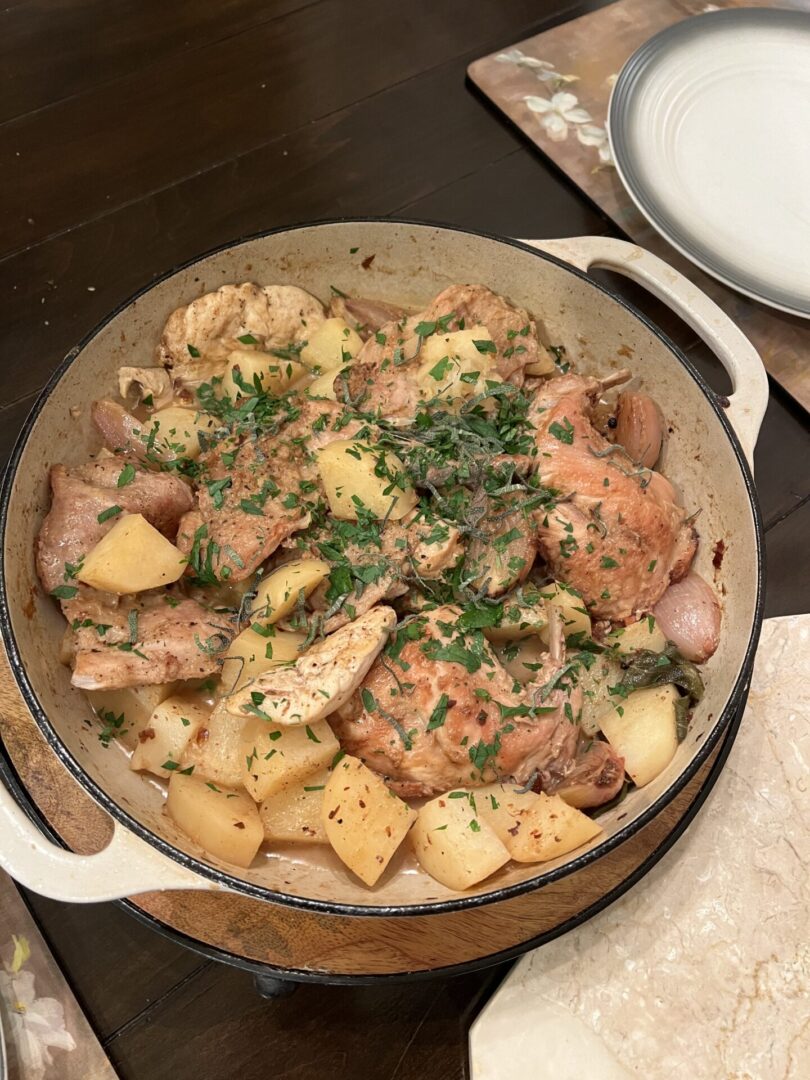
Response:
column 618, row 113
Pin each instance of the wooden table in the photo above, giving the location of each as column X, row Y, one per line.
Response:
column 139, row 133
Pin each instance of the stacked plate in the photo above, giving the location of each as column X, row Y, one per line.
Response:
column 709, row 126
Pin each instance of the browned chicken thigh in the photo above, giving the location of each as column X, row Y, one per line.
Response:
column 438, row 710
column 617, row 533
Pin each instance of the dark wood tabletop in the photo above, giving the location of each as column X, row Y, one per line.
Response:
column 135, row 134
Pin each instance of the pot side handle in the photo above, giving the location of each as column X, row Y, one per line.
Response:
column 127, row 866
column 735, row 352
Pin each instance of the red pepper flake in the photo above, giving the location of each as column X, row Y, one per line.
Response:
column 366, row 263
column 361, row 804
column 333, row 812
column 146, row 734
column 239, row 824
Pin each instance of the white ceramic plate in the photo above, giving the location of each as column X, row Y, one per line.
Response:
column 710, row 130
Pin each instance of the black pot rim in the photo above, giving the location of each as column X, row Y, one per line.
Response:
column 462, row 902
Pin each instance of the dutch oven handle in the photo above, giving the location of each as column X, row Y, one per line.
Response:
column 735, row 352
column 127, row 866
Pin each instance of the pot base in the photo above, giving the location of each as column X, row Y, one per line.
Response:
column 284, row 943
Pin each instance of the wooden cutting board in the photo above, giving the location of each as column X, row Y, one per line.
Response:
column 581, row 59
column 286, row 940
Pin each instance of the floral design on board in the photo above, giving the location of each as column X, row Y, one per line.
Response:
column 37, row 1024
column 562, row 111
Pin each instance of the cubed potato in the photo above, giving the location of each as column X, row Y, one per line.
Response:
column 457, row 365
column 131, row 557
column 575, row 616
column 356, row 475
column 223, row 822
column 324, row 386
column 543, row 365
column 278, row 593
column 273, row 758
column 505, row 807
column 364, row 820
column 244, row 366
column 174, row 432
column 522, row 659
column 125, row 713
column 294, row 814
column 643, row 634
column 333, row 345
column 454, row 843
column 170, row 728
column 214, row 752
column 250, row 653
column 520, row 619
column 549, row 829
column 642, row 728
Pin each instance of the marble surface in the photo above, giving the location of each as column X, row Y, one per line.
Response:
column 703, row 970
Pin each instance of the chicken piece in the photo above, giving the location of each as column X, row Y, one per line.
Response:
column 405, row 553
column 79, row 495
column 365, row 316
column 155, row 384
column 511, row 328
column 276, row 316
column 617, row 533
column 503, row 553
column 592, row 778
column 156, row 638
column 322, row 680
column 250, row 498
column 437, row 710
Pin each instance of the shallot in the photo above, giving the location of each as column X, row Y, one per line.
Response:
column 639, row 427
column 689, row 614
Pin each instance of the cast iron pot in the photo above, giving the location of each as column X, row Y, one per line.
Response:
column 707, row 456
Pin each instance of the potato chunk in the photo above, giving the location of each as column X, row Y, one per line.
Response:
column 333, row 345
column 458, row 365
column 224, row 823
column 162, row 742
column 545, row 829
column 576, row 619
column 521, row 618
column 132, row 557
column 355, row 475
column 323, row 386
column 278, row 594
column 505, row 808
column 125, row 713
column 294, row 814
column 454, row 843
column 250, row 653
column 174, row 432
column 522, row 659
column 214, row 752
column 364, row 820
column 275, row 374
column 643, row 634
column 275, row 757
column 643, row 730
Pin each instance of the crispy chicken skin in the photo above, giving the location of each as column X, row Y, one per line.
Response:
column 79, row 495
column 617, row 533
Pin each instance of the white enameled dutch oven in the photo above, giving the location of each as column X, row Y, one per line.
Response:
column 707, row 456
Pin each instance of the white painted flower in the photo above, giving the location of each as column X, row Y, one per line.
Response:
column 517, row 56
column 37, row 1024
column 557, row 113
column 591, row 135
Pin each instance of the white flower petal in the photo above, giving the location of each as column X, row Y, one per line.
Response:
column 513, row 56
column 563, row 101
column 605, row 155
column 549, row 76
column 591, row 135
column 538, row 104
column 532, row 62
column 576, row 116
column 555, row 126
